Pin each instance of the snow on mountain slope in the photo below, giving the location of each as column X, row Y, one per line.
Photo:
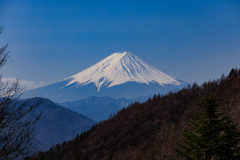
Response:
column 120, row 68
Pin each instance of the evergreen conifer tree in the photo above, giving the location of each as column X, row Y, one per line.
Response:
column 215, row 136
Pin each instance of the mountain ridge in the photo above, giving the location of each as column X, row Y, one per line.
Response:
column 100, row 108
column 57, row 123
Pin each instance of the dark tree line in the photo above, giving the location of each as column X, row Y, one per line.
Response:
column 214, row 136
column 150, row 130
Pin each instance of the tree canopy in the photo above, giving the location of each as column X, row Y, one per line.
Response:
column 214, row 135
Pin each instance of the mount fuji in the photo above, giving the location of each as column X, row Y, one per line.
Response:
column 118, row 75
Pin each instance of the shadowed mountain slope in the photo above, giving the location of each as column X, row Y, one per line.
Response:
column 58, row 124
column 150, row 129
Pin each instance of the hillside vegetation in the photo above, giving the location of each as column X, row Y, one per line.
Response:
column 150, row 129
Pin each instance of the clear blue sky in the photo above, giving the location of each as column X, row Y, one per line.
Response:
column 50, row 40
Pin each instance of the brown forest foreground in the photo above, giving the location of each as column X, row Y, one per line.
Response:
column 149, row 130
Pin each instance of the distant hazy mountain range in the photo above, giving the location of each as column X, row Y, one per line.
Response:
column 117, row 76
column 58, row 124
column 100, row 108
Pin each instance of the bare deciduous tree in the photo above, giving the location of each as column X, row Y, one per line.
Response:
column 16, row 118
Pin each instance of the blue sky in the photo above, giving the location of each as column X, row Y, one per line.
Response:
column 52, row 40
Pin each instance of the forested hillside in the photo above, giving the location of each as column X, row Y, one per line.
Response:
column 150, row 129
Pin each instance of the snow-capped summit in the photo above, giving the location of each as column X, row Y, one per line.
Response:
column 117, row 76
column 120, row 68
